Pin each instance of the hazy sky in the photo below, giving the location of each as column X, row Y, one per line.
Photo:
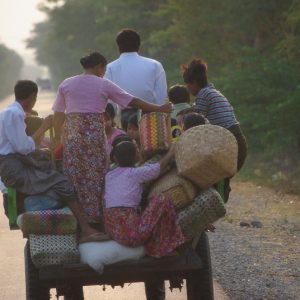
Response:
column 16, row 21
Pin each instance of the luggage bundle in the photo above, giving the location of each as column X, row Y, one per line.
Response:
column 204, row 155
column 155, row 133
column 52, row 235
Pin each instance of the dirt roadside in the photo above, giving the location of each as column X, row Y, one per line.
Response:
column 258, row 263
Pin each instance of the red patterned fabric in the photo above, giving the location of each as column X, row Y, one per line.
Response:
column 156, row 228
column 155, row 133
column 85, row 159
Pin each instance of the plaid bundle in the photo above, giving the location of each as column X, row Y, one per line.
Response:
column 207, row 208
column 47, row 250
column 58, row 222
column 155, row 133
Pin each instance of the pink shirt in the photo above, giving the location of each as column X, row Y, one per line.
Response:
column 88, row 94
column 124, row 186
column 110, row 140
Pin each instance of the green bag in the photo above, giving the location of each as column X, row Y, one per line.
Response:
column 12, row 208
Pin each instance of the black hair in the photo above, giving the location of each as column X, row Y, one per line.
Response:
column 133, row 119
column 120, row 138
column 33, row 123
column 24, row 89
column 173, row 122
column 125, row 154
column 110, row 110
column 128, row 40
column 195, row 71
column 193, row 109
column 92, row 60
column 179, row 94
column 192, row 120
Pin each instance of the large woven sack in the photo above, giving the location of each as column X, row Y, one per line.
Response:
column 206, row 208
column 179, row 190
column 206, row 154
column 155, row 133
column 59, row 221
column 47, row 250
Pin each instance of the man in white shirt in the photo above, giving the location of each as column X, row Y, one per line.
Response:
column 140, row 76
column 144, row 78
column 19, row 167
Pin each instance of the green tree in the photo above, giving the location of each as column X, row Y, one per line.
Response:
column 11, row 65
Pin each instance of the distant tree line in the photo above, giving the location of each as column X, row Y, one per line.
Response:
column 252, row 48
column 10, row 65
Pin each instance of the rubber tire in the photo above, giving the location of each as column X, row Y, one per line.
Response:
column 200, row 283
column 76, row 293
column 34, row 289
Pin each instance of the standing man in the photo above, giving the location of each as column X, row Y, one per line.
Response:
column 140, row 76
column 144, row 78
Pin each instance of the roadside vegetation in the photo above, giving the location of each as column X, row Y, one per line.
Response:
column 252, row 48
column 10, row 65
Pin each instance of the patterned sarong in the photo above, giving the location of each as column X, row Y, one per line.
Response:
column 85, row 159
column 156, row 228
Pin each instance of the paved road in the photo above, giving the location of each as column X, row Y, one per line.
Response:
column 12, row 283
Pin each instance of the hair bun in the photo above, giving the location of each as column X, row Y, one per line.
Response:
column 92, row 60
column 198, row 64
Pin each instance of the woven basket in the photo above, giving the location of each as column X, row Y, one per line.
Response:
column 207, row 207
column 155, row 133
column 59, row 222
column 206, row 154
column 47, row 250
column 178, row 189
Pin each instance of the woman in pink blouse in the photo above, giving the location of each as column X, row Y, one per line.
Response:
column 80, row 105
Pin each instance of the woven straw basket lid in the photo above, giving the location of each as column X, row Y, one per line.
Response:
column 206, row 208
column 206, row 154
column 178, row 189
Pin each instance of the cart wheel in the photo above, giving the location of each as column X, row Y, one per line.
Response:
column 75, row 293
column 200, row 283
column 34, row 289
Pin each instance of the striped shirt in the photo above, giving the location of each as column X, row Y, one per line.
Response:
column 215, row 107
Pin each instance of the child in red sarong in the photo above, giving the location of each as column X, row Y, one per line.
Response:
column 156, row 227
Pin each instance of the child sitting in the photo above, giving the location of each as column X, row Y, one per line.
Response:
column 110, row 126
column 156, row 226
column 33, row 123
column 133, row 128
column 192, row 120
column 180, row 97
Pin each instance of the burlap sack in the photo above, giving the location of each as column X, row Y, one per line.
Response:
column 178, row 189
column 206, row 154
column 206, row 208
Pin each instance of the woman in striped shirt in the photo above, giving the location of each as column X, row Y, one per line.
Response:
column 213, row 105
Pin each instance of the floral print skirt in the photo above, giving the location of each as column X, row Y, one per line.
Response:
column 156, row 227
column 85, row 159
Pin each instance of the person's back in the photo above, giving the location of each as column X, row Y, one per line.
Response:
column 141, row 76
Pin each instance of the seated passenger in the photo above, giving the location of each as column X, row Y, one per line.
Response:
column 192, row 120
column 133, row 128
column 18, row 166
column 33, row 123
column 156, row 226
column 180, row 97
column 111, row 130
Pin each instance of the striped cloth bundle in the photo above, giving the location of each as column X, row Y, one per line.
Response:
column 57, row 222
column 155, row 133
